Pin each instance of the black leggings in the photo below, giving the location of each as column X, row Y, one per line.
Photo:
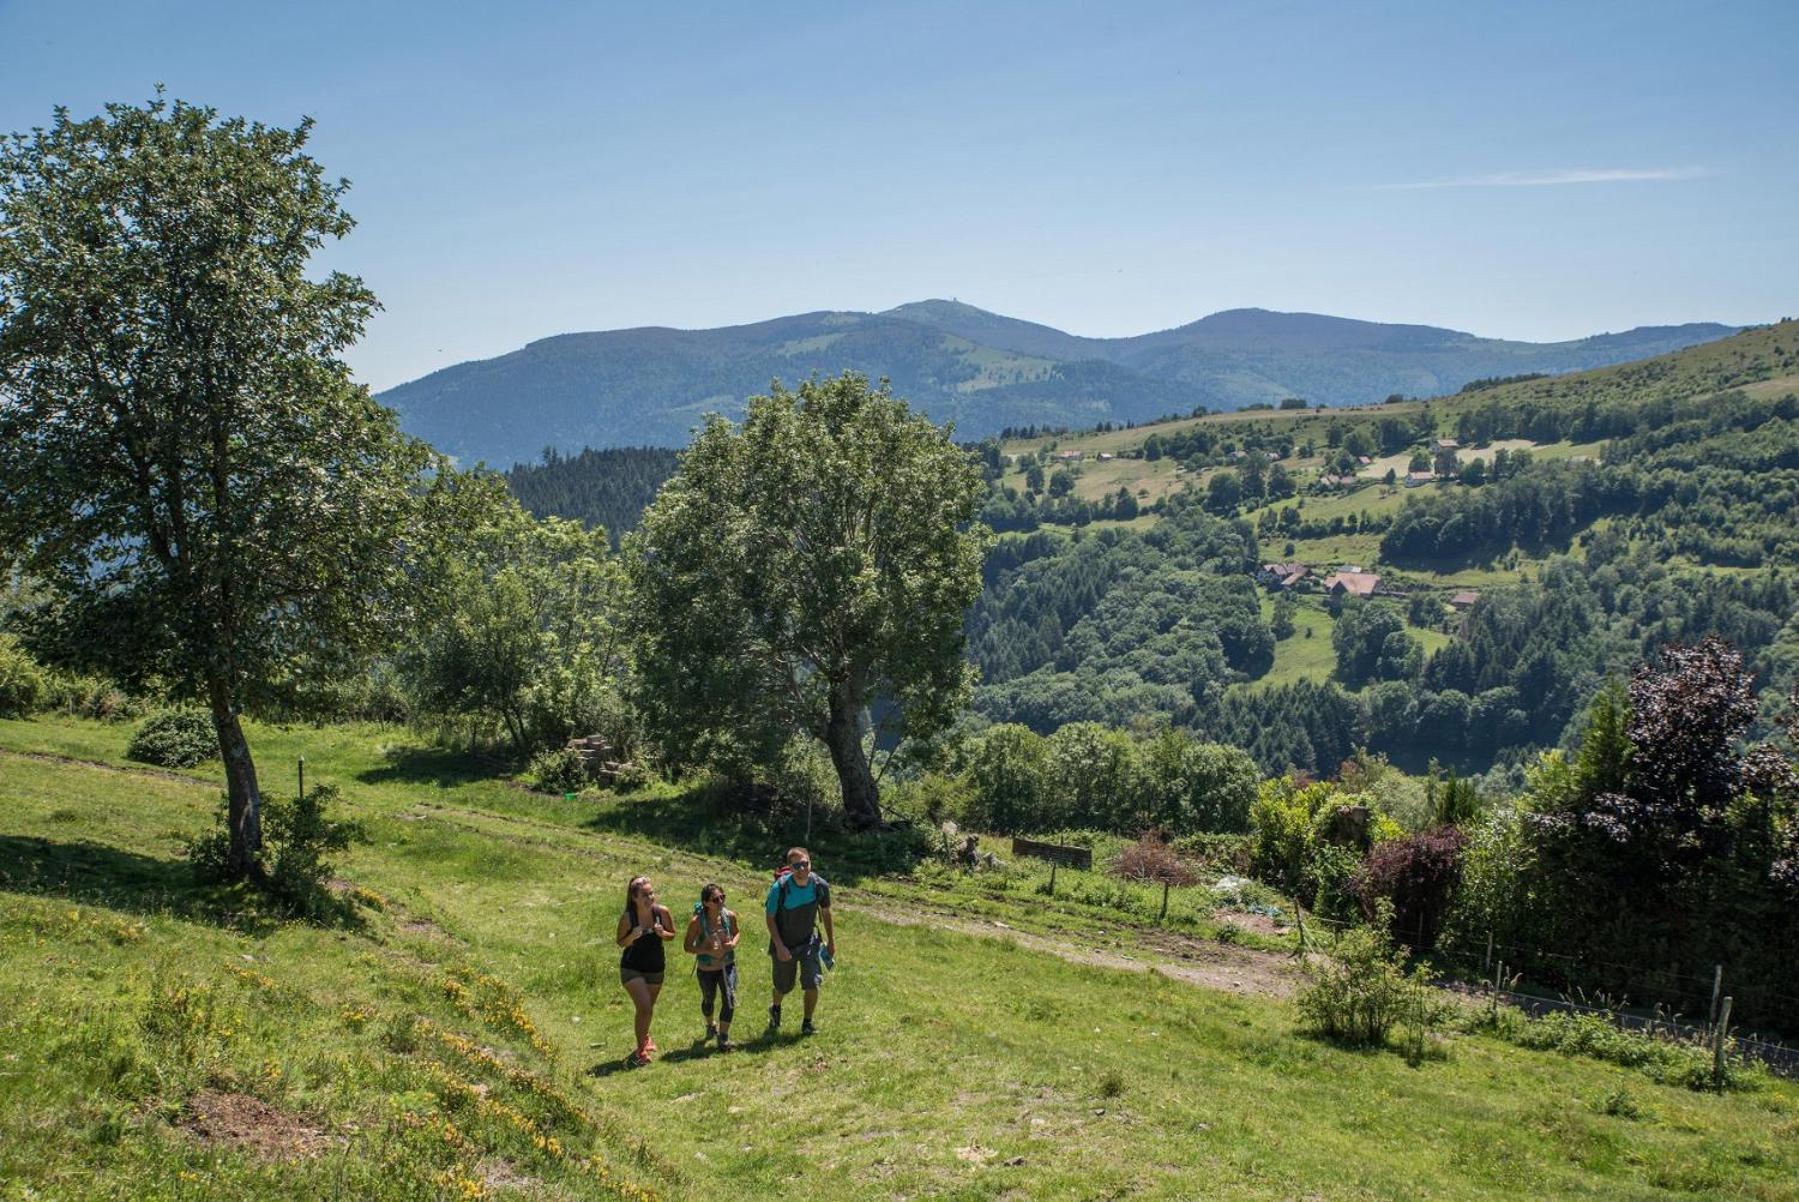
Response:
column 712, row 984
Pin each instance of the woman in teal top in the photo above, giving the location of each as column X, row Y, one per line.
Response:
column 712, row 936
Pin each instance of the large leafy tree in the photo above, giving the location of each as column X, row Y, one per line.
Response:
column 799, row 568
column 520, row 625
column 183, row 455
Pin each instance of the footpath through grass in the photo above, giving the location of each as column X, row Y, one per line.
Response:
column 149, row 1031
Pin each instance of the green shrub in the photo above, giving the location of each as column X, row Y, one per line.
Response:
column 1679, row 1062
column 561, row 770
column 23, row 685
column 298, row 837
column 175, row 739
column 1230, row 854
column 1618, row 1104
column 932, row 798
column 1362, row 993
column 90, row 697
column 302, row 835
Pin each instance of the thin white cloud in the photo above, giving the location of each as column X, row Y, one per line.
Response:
column 1555, row 179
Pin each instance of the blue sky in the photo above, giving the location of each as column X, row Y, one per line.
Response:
column 1522, row 170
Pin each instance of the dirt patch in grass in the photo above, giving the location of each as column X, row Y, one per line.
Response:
column 1261, row 924
column 1184, row 958
column 239, row 1121
column 501, row 1174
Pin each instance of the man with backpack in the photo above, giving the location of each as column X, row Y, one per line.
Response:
column 797, row 900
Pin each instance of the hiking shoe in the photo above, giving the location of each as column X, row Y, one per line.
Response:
column 725, row 1044
column 711, row 1030
column 639, row 1058
column 806, row 1028
column 774, row 1018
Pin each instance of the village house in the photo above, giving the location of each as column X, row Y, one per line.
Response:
column 1070, row 456
column 1282, row 575
column 1418, row 479
column 1464, row 600
column 1347, row 583
column 1106, row 456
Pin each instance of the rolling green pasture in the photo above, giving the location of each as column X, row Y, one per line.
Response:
column 133, row 1006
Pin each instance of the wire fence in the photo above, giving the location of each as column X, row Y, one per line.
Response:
column 1476, row 976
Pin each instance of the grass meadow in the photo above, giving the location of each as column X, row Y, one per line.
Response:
column 466, row 1037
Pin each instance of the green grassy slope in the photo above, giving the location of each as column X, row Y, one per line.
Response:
column 948, row 1065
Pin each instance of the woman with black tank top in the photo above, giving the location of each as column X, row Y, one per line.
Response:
column 642, row 929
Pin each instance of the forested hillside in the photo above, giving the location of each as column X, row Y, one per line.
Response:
column 608, row 488
column 1576, row 523
column 982, row 371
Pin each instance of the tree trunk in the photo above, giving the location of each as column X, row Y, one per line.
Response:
column 843, row 735
column 244, row 808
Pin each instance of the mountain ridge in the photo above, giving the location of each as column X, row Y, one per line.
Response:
column 981, row 371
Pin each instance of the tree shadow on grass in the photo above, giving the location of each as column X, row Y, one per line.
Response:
column 437, row 766
column 98, row 875
column 715, row 821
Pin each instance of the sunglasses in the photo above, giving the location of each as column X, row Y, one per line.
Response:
column 802, row 863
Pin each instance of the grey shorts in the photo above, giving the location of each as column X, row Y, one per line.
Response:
column 627, row 975
column 805, row 959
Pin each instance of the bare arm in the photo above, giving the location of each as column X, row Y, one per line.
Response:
column 628, row 930
column 774, row 934
column 691, row 944
column 664, row 923
column 824, row 912
column 733, row 926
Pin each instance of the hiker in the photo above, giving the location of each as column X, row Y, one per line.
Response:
column 796, row 901
column 642, row 928
column 712, row 936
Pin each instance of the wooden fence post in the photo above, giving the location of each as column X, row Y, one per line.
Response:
column 1718, row 1046
column 302, row 778
column 1052, row 878
column 1487, row 964
column 1164, row 913
column 1717, row 986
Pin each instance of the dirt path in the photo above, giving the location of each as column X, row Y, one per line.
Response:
column 1196, row 961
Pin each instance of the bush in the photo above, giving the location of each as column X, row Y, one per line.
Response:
column 175, row 739
column 1686, row 1063
column 559, row 771
column 1151, row 859
column 1362, row 993
column 90, row 697
column 23, row 685
column 804, row 776
column 303, row 836
column 298, row 836
column 933, row 798
column 1417, row 875
column 1228, row 854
